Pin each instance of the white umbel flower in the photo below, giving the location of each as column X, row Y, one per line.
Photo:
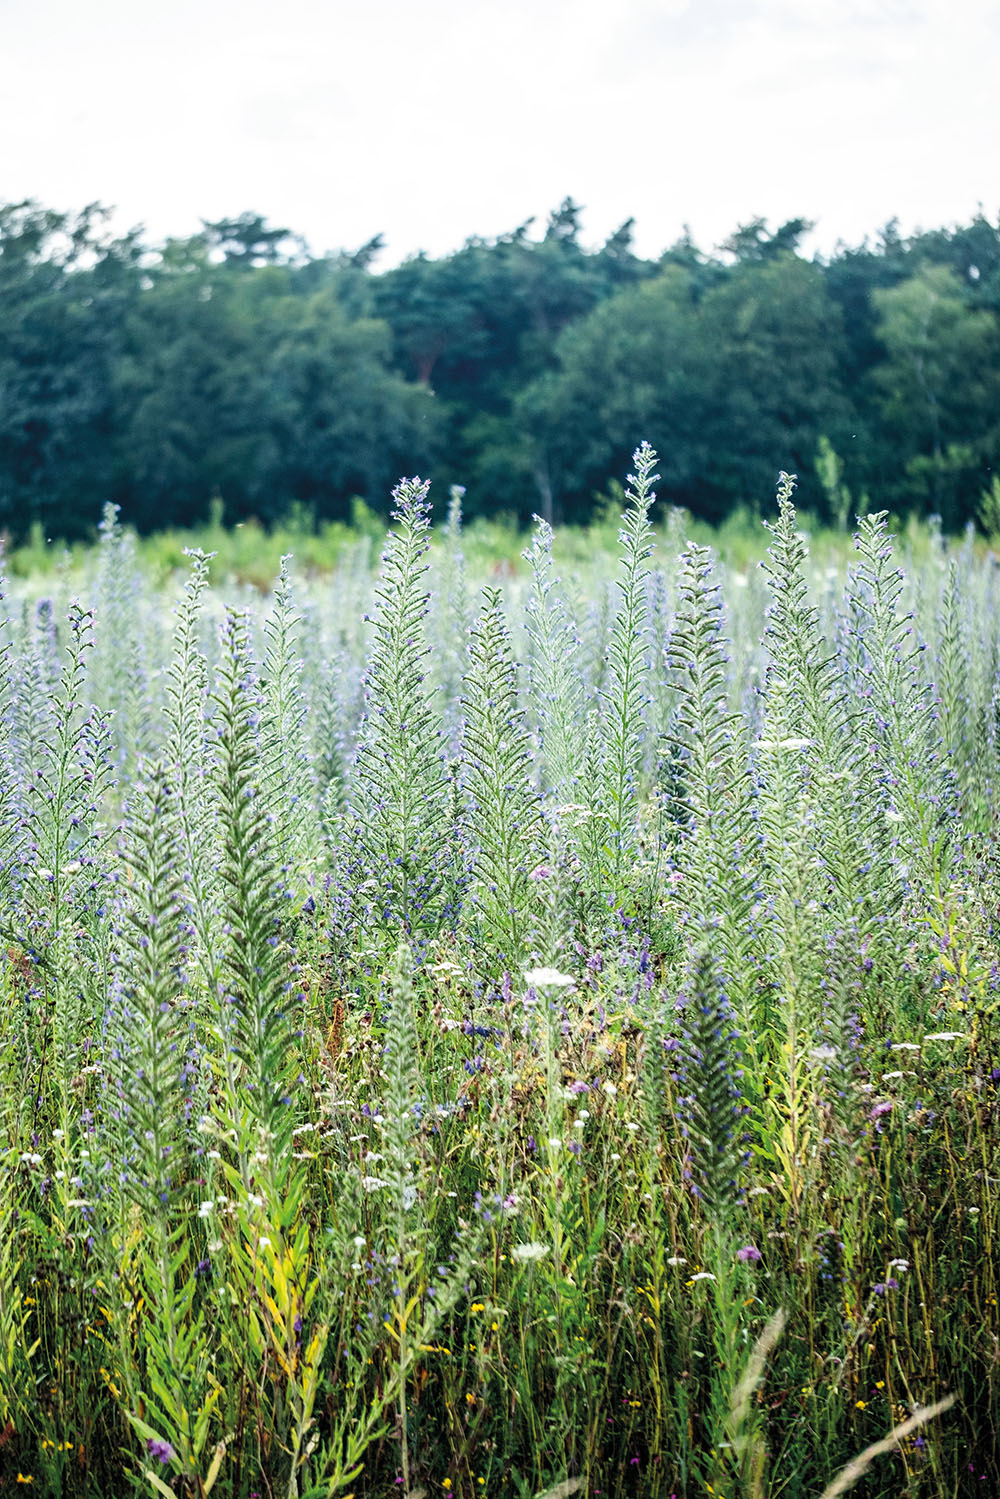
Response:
column 527, row 1253
column 548, row 978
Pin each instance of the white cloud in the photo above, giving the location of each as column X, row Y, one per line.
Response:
column 434, row 121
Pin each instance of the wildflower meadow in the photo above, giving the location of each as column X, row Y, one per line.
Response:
column 529, row 1031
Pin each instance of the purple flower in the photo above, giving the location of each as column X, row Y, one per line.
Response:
column 885, row 1107
column 162, row 1451
column 749, row 1254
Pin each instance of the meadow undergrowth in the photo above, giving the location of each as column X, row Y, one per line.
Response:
column 504, row 1036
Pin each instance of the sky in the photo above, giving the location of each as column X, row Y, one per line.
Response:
column 432, row 120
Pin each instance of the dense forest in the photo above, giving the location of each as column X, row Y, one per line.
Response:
column 235, row 367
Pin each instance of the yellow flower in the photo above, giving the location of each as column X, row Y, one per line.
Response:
column 860, row 1404
column 446, row 1484
column 477, row 1306
column 26, row 1478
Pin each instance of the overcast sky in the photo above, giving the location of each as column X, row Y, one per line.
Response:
column 432, row 120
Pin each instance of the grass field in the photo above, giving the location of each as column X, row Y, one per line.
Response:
column 476, row 1024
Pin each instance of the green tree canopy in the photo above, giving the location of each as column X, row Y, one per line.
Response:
column 938, row 389
column 721, row 385
column 66, row 288
column 525, row 367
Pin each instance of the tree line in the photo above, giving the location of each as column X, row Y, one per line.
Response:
column 236, row 367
